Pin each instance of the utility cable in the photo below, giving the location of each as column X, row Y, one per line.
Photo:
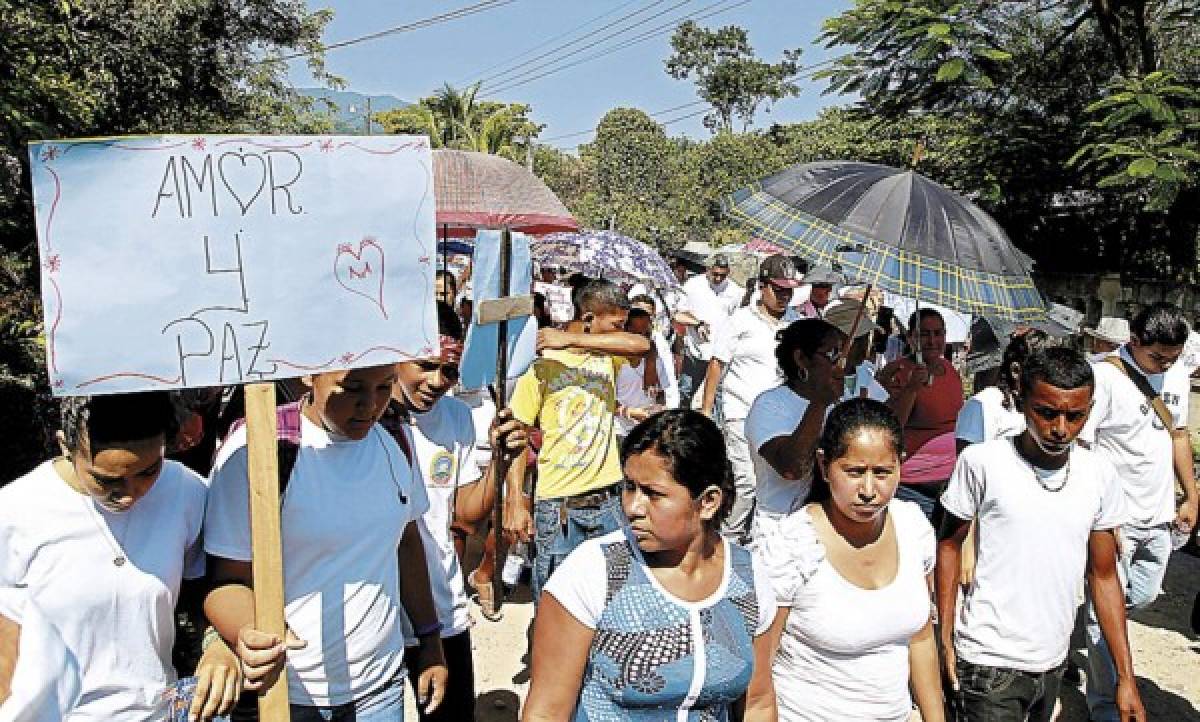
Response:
column 462, row 12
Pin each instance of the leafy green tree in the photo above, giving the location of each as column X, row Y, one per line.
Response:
column 76, row 68
column 728, row 75
column 454, row 118
column 631, row 155
column 1024, row 75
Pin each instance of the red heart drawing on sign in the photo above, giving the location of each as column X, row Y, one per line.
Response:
column 361, row 272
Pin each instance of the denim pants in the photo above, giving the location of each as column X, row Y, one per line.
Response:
column 691, row 376
column 998, row 694
column 383, row 705
column 557, row 534
column 1144, row 555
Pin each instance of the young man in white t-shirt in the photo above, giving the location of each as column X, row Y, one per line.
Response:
column 1150, row 458
column 743, row 366
column 709, row 300
column 459, row 482
column 1048, row 510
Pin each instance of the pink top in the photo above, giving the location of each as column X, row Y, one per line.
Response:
column 929, row 433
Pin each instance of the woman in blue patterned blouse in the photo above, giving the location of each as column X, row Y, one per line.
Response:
column 673, row 629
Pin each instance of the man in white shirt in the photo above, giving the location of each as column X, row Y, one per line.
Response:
column 649, row 385
column 820, row 297
column 1150, row 457
column 1047, row 511
column 743, row 365
column 708, row 303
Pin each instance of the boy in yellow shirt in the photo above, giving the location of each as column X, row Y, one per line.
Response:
column 570, row 395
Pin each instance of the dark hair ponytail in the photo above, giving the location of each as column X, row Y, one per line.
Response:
column 844, row 421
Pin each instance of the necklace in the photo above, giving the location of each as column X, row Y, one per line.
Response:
column 116, row 545
column 1053, row 489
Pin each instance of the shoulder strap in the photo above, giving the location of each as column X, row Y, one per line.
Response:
column 1160, row 408
column 287, row 437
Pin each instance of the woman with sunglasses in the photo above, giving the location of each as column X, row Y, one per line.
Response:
column 785, row 422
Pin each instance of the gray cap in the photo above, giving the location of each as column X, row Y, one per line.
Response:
column 824, row 276
column 718, row 260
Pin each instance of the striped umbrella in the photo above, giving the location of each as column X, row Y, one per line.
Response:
column 896, row 229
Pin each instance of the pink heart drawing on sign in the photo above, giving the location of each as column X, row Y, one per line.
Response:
column 361, row 272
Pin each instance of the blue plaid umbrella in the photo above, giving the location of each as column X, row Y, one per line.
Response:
column 604, row 254
column 895, row 229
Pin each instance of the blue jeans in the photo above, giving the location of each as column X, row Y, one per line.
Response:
column 557, row 535
column 907, row 492
column 1144, row 554
column 383, row 705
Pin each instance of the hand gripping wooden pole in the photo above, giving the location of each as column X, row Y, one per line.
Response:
column 266, row 539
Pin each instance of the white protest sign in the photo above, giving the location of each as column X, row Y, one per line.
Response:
column 184, row 261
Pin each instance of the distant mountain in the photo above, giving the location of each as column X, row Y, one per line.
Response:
column 350, row 107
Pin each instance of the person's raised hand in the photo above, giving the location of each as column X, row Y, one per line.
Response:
column 917, row 378
column 218, row 682
column 263, row 656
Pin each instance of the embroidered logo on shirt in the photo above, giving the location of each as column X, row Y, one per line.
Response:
column 441, row 468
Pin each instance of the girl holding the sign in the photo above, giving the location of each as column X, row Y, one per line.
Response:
column 102, row 537
column 347, row 504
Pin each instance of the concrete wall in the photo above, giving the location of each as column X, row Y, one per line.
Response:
column 1112, row 295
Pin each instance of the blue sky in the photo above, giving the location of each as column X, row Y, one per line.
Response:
column 411, row 65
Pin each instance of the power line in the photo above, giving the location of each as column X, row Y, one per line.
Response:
column 653, row 32
column 808, row 72
column 541, row 45
column 530, row 66
column 416, row 25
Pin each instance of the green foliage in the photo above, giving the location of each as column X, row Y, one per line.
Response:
column 454, row 118
column 1116, row 193
column 727, row 73
column 1146, row 136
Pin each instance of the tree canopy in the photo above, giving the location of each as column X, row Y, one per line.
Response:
column 727, row 73
column 1085, row 112
column 454, row 118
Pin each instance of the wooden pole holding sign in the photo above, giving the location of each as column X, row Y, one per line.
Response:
column 501, row 401
column 265, row 535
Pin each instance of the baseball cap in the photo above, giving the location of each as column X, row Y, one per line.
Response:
column 823, row 276
column 718, row 260
column 779, row 271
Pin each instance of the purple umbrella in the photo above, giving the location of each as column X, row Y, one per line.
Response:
column 604, row 254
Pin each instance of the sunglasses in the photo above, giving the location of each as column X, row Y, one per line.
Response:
column 449, row 371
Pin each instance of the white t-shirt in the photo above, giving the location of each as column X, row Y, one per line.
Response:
column 578, row 584
column 1032, row 550
column 1127, row 431
column 864, row 379
column 1190, row 358
column 118, row 621
column 46, row 681
column 983, row 418
column 444, row 440
column 776, row 412
column 711, row 305
column 344, row 510
column 747, row 347
column 844, row 650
